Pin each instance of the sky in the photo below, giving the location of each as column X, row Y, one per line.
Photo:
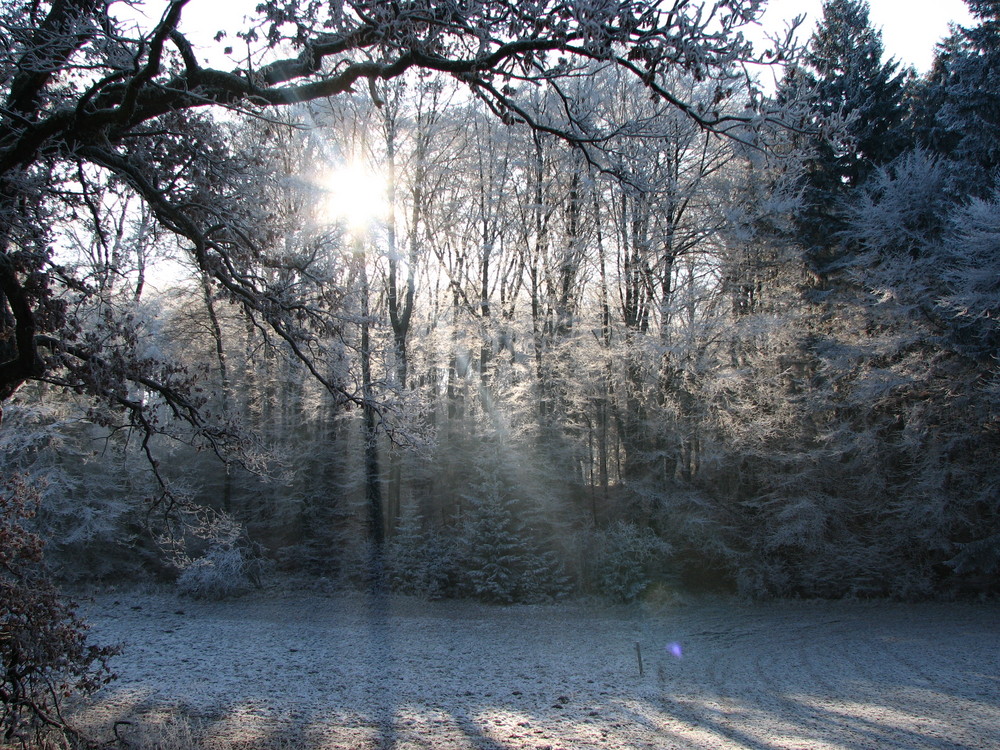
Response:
column 910, row 28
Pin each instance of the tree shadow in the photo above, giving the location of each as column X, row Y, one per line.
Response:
column 373, row 671
column 380, row 640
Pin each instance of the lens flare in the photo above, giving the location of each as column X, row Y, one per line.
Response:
column 675, row 650
column 356, row 195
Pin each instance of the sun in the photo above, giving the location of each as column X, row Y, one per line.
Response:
column 354, row 195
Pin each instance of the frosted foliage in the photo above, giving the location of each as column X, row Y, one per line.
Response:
column 824, row 545
column 88, row 511
column 625, row 557
column 227, row 568
column 800, row 521
column 982, row 555
column 900, row 209
column 500, row 559
column 419, row 561
column 974, row 245
column 44, row 654
column 637, row 378
column 493, row 551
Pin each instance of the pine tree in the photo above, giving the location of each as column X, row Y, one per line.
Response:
column 502, row 559
column 957, row 111
column 419, row 560
column 846, row 80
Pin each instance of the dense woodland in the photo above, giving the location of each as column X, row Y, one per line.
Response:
column 511, row 301
column 623, row 318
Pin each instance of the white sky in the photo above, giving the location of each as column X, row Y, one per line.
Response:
column 910, row 28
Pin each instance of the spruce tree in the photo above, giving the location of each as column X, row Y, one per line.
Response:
column 502, row 559
column 957, row 112
column 846, row 79
column 495, row 551
column 419, row 560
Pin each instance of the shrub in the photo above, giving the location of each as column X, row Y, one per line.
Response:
column 417, row 561
column 625, row 557
column 231, row 564
column 42, row 640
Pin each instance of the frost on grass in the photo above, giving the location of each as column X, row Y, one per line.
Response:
column 308, row 670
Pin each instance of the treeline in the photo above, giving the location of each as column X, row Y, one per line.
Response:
column 761, row 360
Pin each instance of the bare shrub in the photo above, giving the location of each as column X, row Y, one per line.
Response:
column 230, row 565
column 43, row 642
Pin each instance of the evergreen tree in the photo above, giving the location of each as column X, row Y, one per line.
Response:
column 419, row 560
column 848, row 82
column 957, row 111
column 494, row 548
column 502, row 561
column 626, row 558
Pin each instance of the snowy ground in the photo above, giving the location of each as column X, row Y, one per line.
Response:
column 346, row 671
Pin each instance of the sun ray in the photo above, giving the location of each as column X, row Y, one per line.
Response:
column 355, row 195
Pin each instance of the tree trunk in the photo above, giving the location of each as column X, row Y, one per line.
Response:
column 373, row 479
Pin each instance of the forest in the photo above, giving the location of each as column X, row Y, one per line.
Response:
column 493, row 300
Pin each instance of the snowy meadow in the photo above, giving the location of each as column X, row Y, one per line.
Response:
column 316, row 670
column 526, row 314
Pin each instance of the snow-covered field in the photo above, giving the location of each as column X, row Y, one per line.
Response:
column 304, row 669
